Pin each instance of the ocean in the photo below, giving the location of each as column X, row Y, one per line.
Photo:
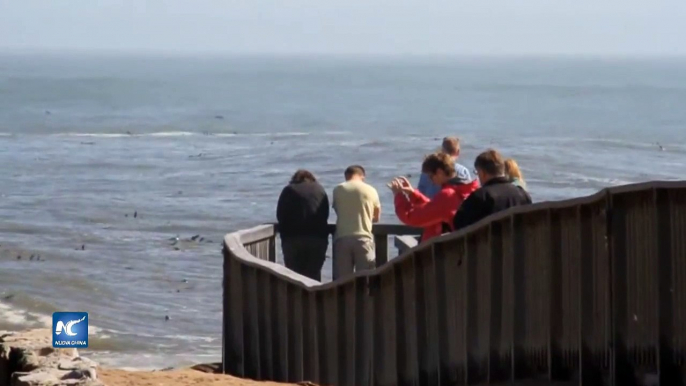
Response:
column 106, row 158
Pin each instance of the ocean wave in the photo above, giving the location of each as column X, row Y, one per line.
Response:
column 573, row 179
column 190, row 133
column 545, row 142
column 13, row 316
column 185, row 338
column 96, row 135
column 22, row 319
column 171, row 134
column 276, row 135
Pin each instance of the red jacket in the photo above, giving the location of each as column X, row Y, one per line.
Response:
column 435, row 216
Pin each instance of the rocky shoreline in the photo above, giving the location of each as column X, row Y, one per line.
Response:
column 27, row 358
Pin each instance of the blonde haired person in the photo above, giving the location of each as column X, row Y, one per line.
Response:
column 512, row 170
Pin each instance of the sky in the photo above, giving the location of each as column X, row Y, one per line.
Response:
column 366, row 27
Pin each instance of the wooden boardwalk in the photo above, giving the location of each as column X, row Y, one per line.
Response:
column 586, row 291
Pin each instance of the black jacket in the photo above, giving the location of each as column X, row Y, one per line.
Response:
column 494, row 196
column 303, row 210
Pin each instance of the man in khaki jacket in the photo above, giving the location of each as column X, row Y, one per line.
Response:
column 357, row 206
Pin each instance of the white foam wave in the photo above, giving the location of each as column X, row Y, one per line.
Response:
column 336, row 132
column 191, row 338
column 571, row 178
column 190, row 133
column 170, row 134
column 122, row 135
column 96, row 135
column 23, row 318
column 187, row 338
column 12, row 316
column 286, row 134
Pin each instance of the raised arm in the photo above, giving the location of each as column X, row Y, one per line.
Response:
column 421, row 213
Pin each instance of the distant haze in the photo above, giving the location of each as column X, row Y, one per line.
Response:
column 446, row 27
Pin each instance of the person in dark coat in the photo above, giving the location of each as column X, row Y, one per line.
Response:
column 497, row 192
column 303, row 214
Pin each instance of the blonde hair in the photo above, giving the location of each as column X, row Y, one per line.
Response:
column 512, row 170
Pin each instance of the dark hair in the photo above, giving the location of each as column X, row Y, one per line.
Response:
column 353, row 170
column 490, row 162
column 451, row 145
column 302, row 175
column 438, row 161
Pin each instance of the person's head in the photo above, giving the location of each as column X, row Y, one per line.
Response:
column 301, row 176
column 489, row 164
column 440, row 167
column 451, row 146
column 512, row 169
column 354, row 172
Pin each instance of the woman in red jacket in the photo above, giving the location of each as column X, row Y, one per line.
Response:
column 435, row 215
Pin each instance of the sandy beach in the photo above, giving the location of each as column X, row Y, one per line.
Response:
column 28, row 358
column 113, row 377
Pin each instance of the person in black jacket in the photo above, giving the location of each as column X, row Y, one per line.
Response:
column 303, row 214
column 497, row 192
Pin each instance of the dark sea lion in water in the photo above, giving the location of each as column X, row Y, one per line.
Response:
column 218, row 117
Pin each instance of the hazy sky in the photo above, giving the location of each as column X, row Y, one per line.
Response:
column 605, row 27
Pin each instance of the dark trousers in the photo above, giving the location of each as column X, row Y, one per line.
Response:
column 305, row 255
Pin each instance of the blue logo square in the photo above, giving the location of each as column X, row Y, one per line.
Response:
column 70, row 329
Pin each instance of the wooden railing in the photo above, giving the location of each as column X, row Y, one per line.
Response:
column 260, row 241
column 591, row 289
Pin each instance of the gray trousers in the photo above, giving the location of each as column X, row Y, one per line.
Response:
column 305, row 255
column 352, row 254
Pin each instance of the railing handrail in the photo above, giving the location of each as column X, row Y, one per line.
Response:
column 235, row 240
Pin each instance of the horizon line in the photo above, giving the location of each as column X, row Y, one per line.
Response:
column 321, row 54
